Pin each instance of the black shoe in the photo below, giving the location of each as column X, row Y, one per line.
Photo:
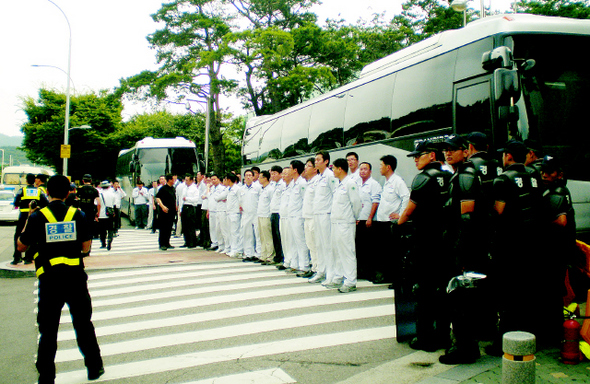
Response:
column 305, row 274
column 184, row 246
column 427, row 346
column 15, row 262
column 171, row 247
column 108, row 246
column 191, row 246
column 93, row 375
column 213, row 248
column 163, row 248
column 457, row 355
column 281, row 267
column 248, row 259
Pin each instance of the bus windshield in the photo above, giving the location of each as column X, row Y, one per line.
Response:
column 556, row 97
column 15, row 179
column 159, row 161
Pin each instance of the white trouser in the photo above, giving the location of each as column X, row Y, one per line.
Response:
column 250, row 235
column 343, row 254
column 310, row 242
column 178, row 225
column 300, row 251
column 222, row 231
column 267, row 252
column 235, row 232
column 286, row 241
column 323, row 241
column 213, row 228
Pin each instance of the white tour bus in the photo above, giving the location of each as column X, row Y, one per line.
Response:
column 151, row 158
column 510, row 76
column 15, row 177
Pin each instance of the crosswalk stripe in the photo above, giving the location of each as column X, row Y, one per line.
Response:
column 251, row 310
column 192, row 303
column 189, row 360
column 267, row 376
column 299, row 321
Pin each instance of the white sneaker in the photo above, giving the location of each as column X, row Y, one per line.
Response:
column 347, row 289
column 317, row 278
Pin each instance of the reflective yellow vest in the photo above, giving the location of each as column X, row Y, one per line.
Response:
column 63, row 260
column 30, row 193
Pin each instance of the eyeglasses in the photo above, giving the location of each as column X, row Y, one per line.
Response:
column 452, row 150
column 420, row 155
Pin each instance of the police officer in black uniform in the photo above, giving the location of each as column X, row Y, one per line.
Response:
column 88, row 199
column 467, row 237
column 28, row 195
column 559, row 247
column 166, row 201
column 63, row 238
column 516, row 247
column 430, row 274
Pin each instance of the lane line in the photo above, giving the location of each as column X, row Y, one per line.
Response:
column 231, row 331
column 251, row 310
column 200, row 358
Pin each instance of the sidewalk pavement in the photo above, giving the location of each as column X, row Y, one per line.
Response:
column 416, row 367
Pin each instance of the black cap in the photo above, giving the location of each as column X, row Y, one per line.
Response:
column 426, row 146
column 456, row 142
column 515, row 148
column 478, row 139
column 532, row 145
column 550, row 164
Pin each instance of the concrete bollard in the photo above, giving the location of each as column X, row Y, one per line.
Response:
column 518, row 362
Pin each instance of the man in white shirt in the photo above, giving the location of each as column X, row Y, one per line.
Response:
column 119, row 194
column 353, row 166
column 370, row 192
column 284, row 225
column 322, row 205
column 105, row 221
column 180, row 186
column 249, row 194
column 188, row 211
column 234, row 217
column 394, row 200
column 311, row 175
column 346, row 207
column 212, row 205
column 267, row 251
column 300, row 262
column 275, row 204
column 152, row 213
column 141, row 197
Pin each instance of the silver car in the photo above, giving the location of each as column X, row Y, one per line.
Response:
column 7, row 211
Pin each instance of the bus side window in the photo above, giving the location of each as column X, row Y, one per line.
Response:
column 422, row 99
column 251, row 142
column 294, row 137
column 326, row 126
column 270, row 140
column 368, row 112
column 473, row 108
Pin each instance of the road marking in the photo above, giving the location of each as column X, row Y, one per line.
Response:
column 251, row 310
column 196, row 359
column 267, row 376
column 275, row 292
column 251, row 328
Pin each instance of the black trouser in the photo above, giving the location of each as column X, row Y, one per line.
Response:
column 117, row 219
column 188, row 218
column 141, row 215
column 106, row 230
column 364, row 241
column 204, row 236
column 59, row 286
column 165, row 223
column 276, row 237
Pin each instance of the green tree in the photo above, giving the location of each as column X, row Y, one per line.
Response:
column 562, row 8
column 191, row 53
column 92, row 149
column 429, row 17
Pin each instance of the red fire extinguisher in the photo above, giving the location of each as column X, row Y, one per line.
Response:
column 570, row 349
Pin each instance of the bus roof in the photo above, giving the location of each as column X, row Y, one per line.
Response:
column 447, row 41
column 27, row 169
column 150, row 142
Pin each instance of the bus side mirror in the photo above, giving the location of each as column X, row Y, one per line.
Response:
column 506, row 86
column 500, row 57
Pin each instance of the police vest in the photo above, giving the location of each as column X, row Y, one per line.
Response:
column 56, row 232
column 29, row 194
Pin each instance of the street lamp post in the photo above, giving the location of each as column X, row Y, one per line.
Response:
column 67, row 119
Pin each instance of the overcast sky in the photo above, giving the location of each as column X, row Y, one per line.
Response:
column 108, row 43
